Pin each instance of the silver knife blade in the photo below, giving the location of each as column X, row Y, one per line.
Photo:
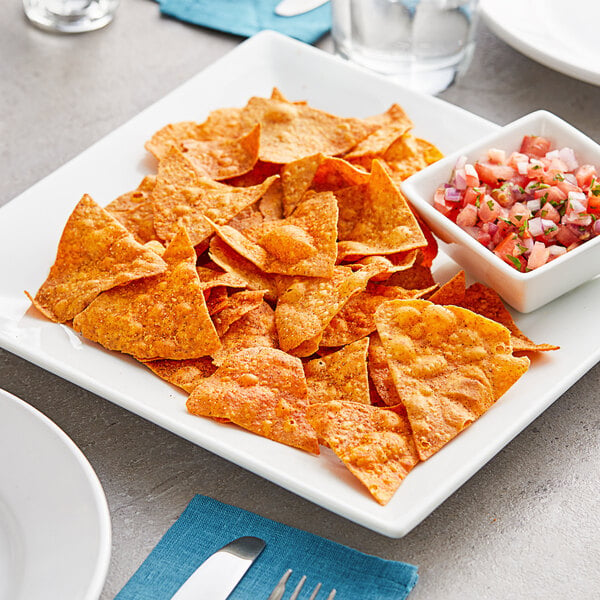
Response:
column 291, row 8
column 219, row 574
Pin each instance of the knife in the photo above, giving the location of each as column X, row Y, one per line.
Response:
column 218, row 575
column 291, row 8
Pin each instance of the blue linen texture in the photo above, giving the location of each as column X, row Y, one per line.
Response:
column 247, row 17
column 207, row 525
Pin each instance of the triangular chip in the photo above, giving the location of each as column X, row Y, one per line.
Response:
column 185, row 374
column 408, row 154
column 341, row 375
column 376, row 444
column 134, row 210
column 392, row 124
column 95, row 253
column 253, row 329
column 319, row 172
column 175, row 205
column 210, row 278
column 238, row 305
column 224, row 158
column 164, row 316
column 221, row 123
column 376, row 219
column 380, row 374
column 302, row 244
column 452, row 292
column 227, row 258
column 357, row 318
column 305, row 309
column 449, row 366
column 290, row 131
column 262, row 390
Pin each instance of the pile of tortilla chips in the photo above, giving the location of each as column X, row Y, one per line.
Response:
column 272, row 269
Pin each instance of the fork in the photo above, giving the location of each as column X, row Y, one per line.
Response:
column 279, row 589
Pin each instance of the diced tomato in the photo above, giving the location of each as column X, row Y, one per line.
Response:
column 467, row 217
column 585, row 174
column 489, row 209
column 494, row 175
column 551, row 194
column 471, row 176
column 567, row 186
column 535, row 145
column 549, row 212
column 519, row 214
column 508, row 247
column 593, row 206
column 439, row 202
column 516, row 158
column 472, row 194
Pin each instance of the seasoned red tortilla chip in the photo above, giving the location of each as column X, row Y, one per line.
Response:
column 341, row 375
column 380, row 374
column 164, row 316
column 238, row 305
column 189, row 206
column 407, row 155
column 95, row 253
column 262, row 390
column 452, row 292
column 376, row 219
column 302, row 244
column 357, row 318
column 449, row 366
column 392, row 124
column 224, row 158
column 417, row 277
column 210, row 278
column 134, row 210
column 255, row 328
column 261, row 171
column 217, row 299
column 290, row 131
column 185, row 374
column 307, row 306
column 376, row 444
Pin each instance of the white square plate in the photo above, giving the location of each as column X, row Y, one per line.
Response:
column 30, row 227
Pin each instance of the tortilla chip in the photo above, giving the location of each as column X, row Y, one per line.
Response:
column 221, row 123
column 216, row 298
column 238, row 305
column 186, row 374
column 271, row 204
column 416, row 277
column 320, row 173
column 262, row 390
column 210, row 278
column 227, row 258
column 303, row 244
column 376, row 444
column 407, row 155
column 388, row 267
column 95, row 253
column 392, row 124
column 341, row 375
column 164, row 316
column 376, row 219
column 449, row 366
column 134, row 210
column 305, row 309
column 357, row 318
column 255, row 328
column 290, row 131
column 188, row 206
column 224, row 158
column 248, row 218
column 261, row 171
column 380, row 374
column 486, row 302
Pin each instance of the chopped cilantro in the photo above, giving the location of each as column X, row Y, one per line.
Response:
column 522, row 248
column 544, row 213
column 515, row 261
column 559, row 177
column 536, row 167
column 521, row 190
column 518, row 217
column 490, row 204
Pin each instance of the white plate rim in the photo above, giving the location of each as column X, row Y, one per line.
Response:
column 101, row 510
column 385, row 520
column 502, row 28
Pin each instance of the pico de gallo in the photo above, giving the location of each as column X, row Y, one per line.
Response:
column 528, row 207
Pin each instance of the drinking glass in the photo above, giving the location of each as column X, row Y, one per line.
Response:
column 424, row 44
column 70, row 16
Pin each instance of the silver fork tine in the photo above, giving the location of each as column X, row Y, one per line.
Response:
column 315, row 592
column 279, row 589
column 299, row 587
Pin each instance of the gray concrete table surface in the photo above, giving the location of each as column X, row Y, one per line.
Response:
column 525, row 526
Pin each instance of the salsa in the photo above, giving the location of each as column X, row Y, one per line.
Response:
column 528, row 207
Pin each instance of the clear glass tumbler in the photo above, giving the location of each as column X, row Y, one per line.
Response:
column 424, row 44
column 70, row 16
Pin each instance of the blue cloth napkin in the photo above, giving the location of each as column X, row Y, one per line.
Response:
column 247, row 17
column 207, row 525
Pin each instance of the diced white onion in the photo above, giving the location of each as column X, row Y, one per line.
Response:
column 568, row 157
column 535, row 226
column 522, row 167
column 534, row 205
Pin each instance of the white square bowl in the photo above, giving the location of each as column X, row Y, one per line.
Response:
column 524, row 291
